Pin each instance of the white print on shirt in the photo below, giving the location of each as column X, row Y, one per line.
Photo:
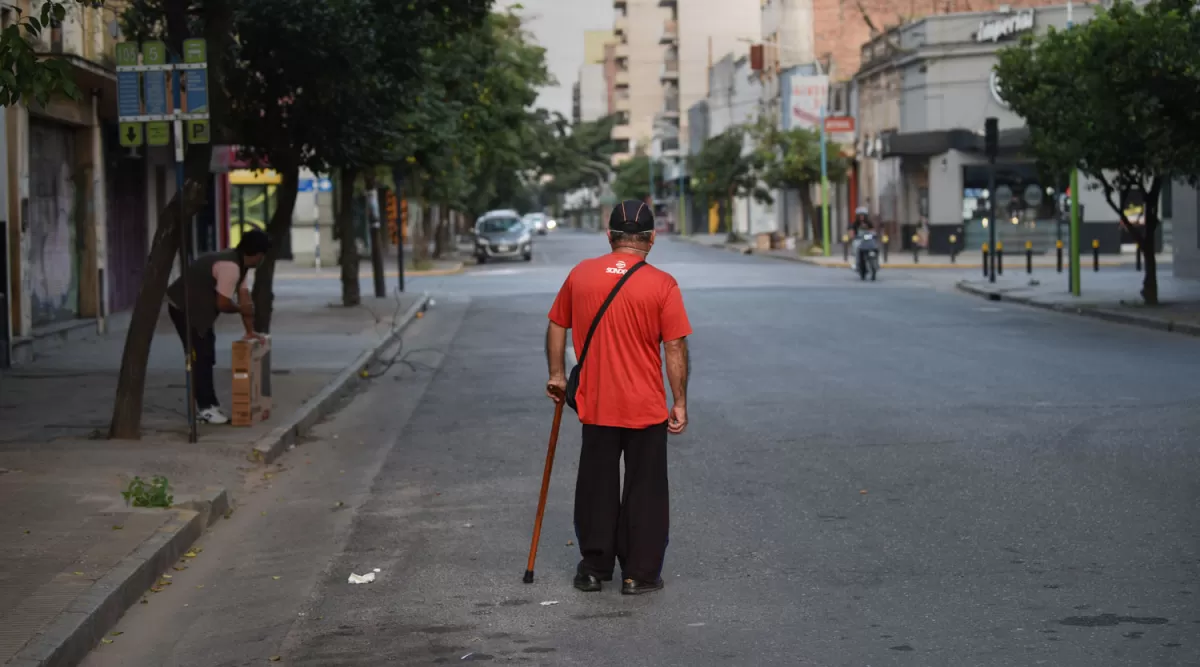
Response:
column 619, row 269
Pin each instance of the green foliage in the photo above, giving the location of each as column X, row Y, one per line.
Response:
column 1117, row 98
column 576, row 156
column 155, row 494
column 24, row 76
column 791, row 159
column 724, row 169
column 632, row 179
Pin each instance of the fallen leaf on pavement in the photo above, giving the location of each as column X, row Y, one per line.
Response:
column 117, row 527
column 78, row 574
column 155, row 589
column 864, row 492
column 106, row 641
column 166, row 576
column 116, row 633
column 145, row 601
column 570, row 543
column 276, row 578
column 179, row 568
column 199, row 585
column 276, row 658
column 190, row 554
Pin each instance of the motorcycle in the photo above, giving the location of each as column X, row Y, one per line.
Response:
column 866, row 254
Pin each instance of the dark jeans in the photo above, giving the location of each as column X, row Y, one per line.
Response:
column 204, row 356
column 630, row 527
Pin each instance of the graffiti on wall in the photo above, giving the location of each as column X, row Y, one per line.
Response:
column 52, row 250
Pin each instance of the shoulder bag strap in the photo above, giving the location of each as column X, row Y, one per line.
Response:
column 587, row 342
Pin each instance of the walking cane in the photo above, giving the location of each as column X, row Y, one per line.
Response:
column 560, row 400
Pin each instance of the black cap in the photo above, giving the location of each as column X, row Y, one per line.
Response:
column 631, row 217
column 254, row 242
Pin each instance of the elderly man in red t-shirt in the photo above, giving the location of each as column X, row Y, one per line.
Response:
column 621, row 400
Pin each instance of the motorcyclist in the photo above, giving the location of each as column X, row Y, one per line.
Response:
column 862, row 223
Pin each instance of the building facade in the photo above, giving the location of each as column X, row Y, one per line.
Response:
column 644, row 64
column 923, row 94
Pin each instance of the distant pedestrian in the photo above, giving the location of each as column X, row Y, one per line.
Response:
column 213, row 281
column 621, row 400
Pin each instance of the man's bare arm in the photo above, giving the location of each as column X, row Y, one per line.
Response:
column 679, row 367
column 556, row 350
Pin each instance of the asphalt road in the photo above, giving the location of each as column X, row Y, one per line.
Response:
column 875, row 474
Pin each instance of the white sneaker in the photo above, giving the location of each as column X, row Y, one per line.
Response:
column 212, row 415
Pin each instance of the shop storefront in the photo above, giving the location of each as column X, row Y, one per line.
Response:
column 924, row 105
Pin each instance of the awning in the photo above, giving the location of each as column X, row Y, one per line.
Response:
column 929, row 144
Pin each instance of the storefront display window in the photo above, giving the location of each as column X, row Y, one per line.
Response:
column 1025, row 207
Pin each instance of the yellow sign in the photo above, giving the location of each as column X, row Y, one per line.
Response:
column 158, row 133
column 132, row 135
column 254, row 177
column 197, row 132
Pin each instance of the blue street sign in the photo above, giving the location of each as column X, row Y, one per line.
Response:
column 155, row 85
column 129, row 94
column 197, row 90
column 306, row 185
column 325, row 185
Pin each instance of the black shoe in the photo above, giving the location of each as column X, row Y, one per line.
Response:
column 588, row 583
column 634, row 587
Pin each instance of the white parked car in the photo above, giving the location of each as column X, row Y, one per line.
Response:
column 538, row 223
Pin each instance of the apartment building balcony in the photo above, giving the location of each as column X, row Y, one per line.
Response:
column 622, row 132
column 621, row 78
column 620, row 25
column 621, row 51
column 670, row 70
column 620, row 4
column 621, row 100
column 670, row 148
column 670, row 110
column 670, row 33
column 85, row 41
column 667, row 3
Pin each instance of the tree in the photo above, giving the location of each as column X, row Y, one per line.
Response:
column 576, row 156
column 1117, row 98
column 632, row 179
column 791, row 160
column 724, row 170
column 24, row 76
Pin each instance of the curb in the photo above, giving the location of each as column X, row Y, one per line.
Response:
column 81, row 626
column 1117, row 317
column 270, row 446
column 431, row 273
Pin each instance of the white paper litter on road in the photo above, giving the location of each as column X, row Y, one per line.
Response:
column 549, row 603
column 378, row 570
column 362, row 578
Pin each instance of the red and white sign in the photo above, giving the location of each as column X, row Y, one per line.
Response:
column 808, row 95
column 839, row 125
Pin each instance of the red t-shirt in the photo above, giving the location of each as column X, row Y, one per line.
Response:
column 621, row 382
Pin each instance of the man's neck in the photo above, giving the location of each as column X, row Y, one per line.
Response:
column 626, row 250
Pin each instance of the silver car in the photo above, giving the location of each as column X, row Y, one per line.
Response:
column 537, row 222
column 502, row 235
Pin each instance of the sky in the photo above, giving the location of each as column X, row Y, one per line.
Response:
column 558, row 26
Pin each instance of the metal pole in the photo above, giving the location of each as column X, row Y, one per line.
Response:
column 183, row 259
column 1075, row 231
column 824, row 186
column 682, row 202
column 992, row 216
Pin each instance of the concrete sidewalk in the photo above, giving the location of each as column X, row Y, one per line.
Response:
column 1013, row 262
column 75, row 556
column 438, row 267
column 1113, row 296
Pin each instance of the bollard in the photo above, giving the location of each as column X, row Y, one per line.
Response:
column 1029, row 257
column 1095, row 256
column 953, row 249
column 1139, row 259
column 1058, row 247
column 885, row 248
column 985, row 260
column 845, row 247
column 916, row 241
column 999, row 258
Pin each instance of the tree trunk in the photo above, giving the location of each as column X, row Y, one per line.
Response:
column 1150, row 266
column 278, row 228
column 131, row 382
column 351, row 294
column 439, row 231
column 810, row 210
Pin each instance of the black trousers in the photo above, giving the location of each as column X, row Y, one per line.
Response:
column 630, row 526
column 204, row 357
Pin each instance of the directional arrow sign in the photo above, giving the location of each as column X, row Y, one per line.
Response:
column 131, row 135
